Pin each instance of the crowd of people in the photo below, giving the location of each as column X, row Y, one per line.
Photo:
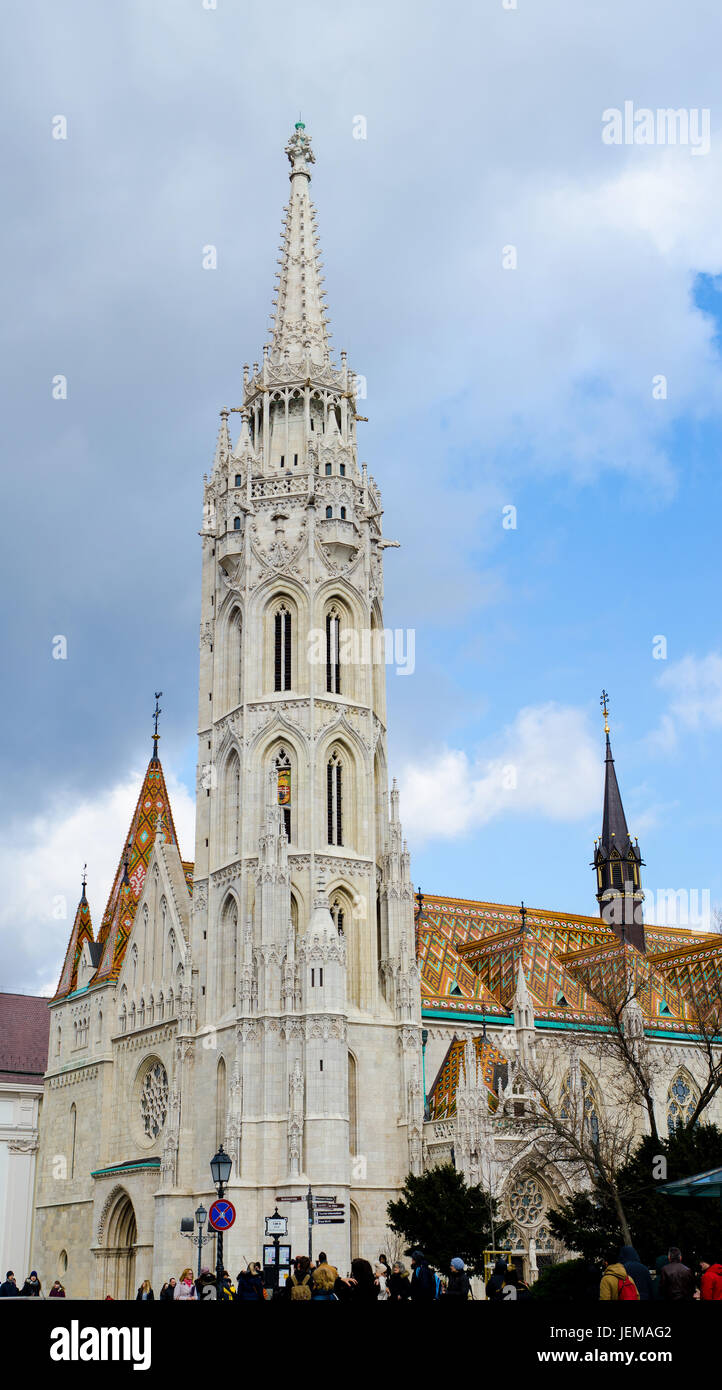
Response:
column 624, row 1277
column 320, row 1281
column 32, row 1288
column 627, row 1277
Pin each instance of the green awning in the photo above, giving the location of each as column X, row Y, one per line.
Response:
column 700, row 1185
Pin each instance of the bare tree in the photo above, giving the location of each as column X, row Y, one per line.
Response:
column 707, row 1015
column 573, row 1132
column 623, row 1044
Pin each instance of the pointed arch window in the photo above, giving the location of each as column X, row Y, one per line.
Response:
column 227, row 956
column 682, row 1098
column 588, row 1110
column 283, row 776
column 232, row 805
column 282, row 649
column 334, row 799
column 220, row 1102
column 236, row 523
column 333, row 662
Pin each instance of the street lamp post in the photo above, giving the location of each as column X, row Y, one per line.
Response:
column 196, row 1238
column 221, row 1165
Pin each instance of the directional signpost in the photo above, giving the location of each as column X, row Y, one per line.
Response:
column 323, row 1211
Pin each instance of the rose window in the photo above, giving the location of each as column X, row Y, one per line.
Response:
column 526, row 1201
column 154, row 1100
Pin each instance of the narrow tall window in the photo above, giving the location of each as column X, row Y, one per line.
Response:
column 283, row 769
column 337, row 914
column 343, row 513
column 328, row 470
column 329, row 513
column 236, row 523
column 73, row 1129
column 221, row 1102
column 333, row 665
column 239, row 480
column 282, row 653
column 334, row 800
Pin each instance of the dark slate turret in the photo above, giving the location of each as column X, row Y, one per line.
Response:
column 617, row 860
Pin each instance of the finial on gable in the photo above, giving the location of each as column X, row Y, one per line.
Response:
column 156, row 712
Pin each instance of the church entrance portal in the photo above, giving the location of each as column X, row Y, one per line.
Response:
column 119, row 1254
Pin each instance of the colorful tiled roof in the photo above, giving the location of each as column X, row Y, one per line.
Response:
column 82, row 930
column 442, row 1096
column 117, row 921
column 469, row 953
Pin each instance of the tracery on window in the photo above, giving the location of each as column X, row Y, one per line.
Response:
column 154, row 1100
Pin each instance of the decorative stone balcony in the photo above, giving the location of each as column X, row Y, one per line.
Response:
column 340, row 538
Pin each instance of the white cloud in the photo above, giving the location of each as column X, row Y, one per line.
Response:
column 695, row 690
column 546, row 763
column 41, row 861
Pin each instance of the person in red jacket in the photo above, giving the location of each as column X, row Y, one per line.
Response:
column 710, row 1287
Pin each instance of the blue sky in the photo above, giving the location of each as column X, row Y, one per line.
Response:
column 486, row 387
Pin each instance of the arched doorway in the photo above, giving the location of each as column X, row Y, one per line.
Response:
column 120, row 1250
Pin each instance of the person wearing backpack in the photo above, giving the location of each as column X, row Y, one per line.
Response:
column 299, row 1283
column 637, row 1271
column 423, row 1283
column 616, row 1285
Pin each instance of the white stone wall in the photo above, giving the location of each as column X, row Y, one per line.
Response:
column 19, row 1119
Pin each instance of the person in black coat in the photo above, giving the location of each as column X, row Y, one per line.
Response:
column 423, row 1288
column 458, row 1285
column 637, row 1271
column 495, row 1283
column 9, row 1289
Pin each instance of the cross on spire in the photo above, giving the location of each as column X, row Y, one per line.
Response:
column 604, row 702
column 156, row 735
column 84, row 879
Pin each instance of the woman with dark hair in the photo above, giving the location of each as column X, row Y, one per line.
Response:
column 249, row 1285
column 362, row 1285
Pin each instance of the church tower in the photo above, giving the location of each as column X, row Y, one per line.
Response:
column 617, row 859
column 302, row 937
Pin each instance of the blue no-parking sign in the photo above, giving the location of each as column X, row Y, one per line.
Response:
column 221, row 1215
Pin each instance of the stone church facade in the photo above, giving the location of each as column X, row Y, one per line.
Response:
column 270, row 995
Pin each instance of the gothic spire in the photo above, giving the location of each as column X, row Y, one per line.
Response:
column 615, row 834
column 82, row 931
column 300, row 320
column 617, row 858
